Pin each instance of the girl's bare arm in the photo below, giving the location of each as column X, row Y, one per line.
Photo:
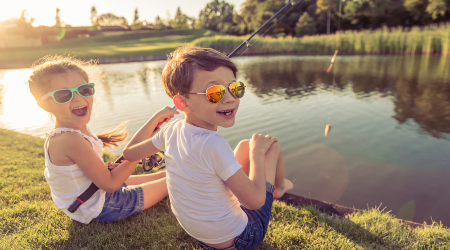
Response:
column 80, row 151
column 141, row 146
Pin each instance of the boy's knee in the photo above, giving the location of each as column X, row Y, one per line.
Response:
column 275, row 148
column 244, row 144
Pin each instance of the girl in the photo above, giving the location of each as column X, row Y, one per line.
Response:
column 73, row 155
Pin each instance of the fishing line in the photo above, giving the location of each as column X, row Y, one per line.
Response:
column 328, row 126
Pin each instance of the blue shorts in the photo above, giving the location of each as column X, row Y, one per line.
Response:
column 256, row 229
column 126, row 201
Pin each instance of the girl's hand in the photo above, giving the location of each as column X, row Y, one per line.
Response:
column 165, row 114
column 260, row 143
column 112, row 165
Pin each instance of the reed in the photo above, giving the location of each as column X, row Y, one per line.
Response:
column 433, row 39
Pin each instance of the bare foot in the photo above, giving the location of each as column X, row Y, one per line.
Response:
column 279, row 191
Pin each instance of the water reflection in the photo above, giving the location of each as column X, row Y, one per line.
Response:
column 418, row 86
column 389, row 117
column 322, row 173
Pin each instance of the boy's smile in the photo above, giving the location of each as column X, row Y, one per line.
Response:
column 203, row 113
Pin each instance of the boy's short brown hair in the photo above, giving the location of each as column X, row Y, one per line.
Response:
column 184, row 62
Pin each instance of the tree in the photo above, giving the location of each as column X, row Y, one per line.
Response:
column 180, row 20
column 136, row 16
column 23, row 22
column 21, row 25
column 436, row 8
column 93, row 16
column 417, row 9
column 168, row 21
column 364, row 14
column 158, row 23
column 305, row 25
column 255, row 13
column 110, row 19
column 325, row 10
column 136, row 25
column 217, row 16
column 57, row 19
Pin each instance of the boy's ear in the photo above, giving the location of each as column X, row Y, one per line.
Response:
column 180, row 103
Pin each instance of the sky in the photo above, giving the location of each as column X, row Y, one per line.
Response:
column 77, row 12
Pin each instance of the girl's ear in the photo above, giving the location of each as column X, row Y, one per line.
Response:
column 45, row 106
column 180, row 103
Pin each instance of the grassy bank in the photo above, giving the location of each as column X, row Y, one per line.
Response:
column 129, row 44
column 30, row 220
column 426, row 40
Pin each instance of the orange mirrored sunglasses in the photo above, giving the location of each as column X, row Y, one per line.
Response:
column 216, row 93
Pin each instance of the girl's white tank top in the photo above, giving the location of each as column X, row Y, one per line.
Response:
column 68, row 182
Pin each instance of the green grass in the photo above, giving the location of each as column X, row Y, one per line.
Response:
column 434, row 39
column 129, row 44
column 30, row 220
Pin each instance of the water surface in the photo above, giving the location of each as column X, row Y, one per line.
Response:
column 389, row 142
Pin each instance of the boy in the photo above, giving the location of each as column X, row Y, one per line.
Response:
column 207, row 182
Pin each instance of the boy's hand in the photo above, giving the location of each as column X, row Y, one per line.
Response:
column 165, row 114
column 260, row 143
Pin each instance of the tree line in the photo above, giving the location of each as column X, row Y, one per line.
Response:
column 309, row 17
column 305, row 17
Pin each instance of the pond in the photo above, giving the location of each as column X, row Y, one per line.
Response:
column 389, row 143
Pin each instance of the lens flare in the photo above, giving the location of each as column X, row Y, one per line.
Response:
column 62, row 33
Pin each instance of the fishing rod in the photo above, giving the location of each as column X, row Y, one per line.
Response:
column 157, row 160
column 247, row 42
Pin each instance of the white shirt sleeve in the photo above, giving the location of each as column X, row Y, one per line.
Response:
column 219, row 156
column 158, row 139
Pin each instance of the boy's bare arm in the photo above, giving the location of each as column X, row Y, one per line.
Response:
column 251, row 190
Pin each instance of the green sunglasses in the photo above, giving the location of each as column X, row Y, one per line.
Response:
column 65, row 95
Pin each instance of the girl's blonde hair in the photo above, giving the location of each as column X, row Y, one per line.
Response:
column 48, row 66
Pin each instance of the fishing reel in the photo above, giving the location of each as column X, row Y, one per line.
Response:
column 155, row 161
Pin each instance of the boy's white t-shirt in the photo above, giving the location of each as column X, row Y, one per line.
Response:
column 198, row 162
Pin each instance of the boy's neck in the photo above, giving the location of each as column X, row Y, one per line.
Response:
column 194, row 121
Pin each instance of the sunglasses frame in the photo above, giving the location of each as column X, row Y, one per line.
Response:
column 226, row 88
column 74, row 89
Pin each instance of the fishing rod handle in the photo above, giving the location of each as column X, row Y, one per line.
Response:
column 159, row 124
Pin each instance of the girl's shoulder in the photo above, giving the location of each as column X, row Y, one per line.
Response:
column 63, row 137
column 63, row 145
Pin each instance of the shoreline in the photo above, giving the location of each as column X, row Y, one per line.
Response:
column 144, row 58
column 102, row 60
column 331, row 209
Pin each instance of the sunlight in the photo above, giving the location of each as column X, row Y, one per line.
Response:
column 19, row 109
column 44, row 14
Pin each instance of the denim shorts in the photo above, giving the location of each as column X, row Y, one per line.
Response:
column 126, row 201
column 256, row 229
